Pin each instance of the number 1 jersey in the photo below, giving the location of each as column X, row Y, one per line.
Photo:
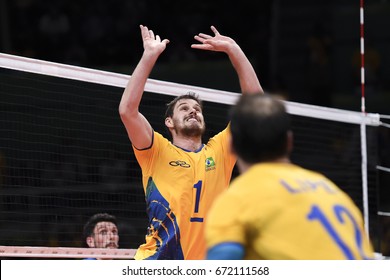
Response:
column 180, row 187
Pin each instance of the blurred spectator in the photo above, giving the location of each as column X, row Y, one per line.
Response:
column 372, row 68
column 319, row 67
column 3, row 167
column 54, row 28
column 112, row 169
column 75, row 54
column 96, row 32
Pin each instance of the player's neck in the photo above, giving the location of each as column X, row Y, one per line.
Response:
column 188, row 143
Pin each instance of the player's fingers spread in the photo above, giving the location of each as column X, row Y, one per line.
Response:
column 201, row 46
column 151, row 34
column 214, row 30
column 144, row 32
column 198, row 38
column 209, row 42
column 205, row 36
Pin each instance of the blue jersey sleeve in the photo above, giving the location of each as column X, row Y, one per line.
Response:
column 226, row 251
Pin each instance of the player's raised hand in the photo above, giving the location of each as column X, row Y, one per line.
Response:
column 217, row 42
column 152, row 43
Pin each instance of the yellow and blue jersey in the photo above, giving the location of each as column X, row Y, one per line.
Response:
column 281, row 211
column 180, row 187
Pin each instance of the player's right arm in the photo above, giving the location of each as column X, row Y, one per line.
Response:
column 137, row 126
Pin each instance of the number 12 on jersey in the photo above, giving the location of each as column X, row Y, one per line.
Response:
column 342, row 216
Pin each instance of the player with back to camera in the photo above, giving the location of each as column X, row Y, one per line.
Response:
column 101, row 231
column 180, row 178
column 275, row 209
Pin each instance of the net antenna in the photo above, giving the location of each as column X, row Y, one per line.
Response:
column 363, row 133
column 362, row 71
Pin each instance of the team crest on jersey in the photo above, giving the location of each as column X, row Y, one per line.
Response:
column 210, row 164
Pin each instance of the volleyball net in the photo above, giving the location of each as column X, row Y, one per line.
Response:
column 65, row 155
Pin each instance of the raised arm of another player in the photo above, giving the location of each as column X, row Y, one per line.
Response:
column 249, row 82
column 137, row 126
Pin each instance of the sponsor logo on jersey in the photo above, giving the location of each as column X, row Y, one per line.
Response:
column 179, row 163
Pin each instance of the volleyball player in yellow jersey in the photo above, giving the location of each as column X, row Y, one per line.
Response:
column 275, row 209
column 180, row 178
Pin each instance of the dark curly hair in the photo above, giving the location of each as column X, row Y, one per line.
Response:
column 95, row 219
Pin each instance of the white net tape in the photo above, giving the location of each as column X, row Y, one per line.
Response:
column 62, row 252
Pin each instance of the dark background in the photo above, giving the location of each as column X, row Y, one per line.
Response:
column 308, row 50
column 65, row 154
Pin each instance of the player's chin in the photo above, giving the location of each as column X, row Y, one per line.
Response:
column 194, row 131
column 197, row 126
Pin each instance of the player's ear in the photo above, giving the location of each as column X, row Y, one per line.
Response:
column 90, row 242
column 169, row 122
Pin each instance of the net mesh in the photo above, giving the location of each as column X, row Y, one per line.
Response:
column 383, row 175
column 65, row 155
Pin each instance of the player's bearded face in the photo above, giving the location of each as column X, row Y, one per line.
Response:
column 188, row 119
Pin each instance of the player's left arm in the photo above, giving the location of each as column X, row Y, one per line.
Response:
column 247, row 76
